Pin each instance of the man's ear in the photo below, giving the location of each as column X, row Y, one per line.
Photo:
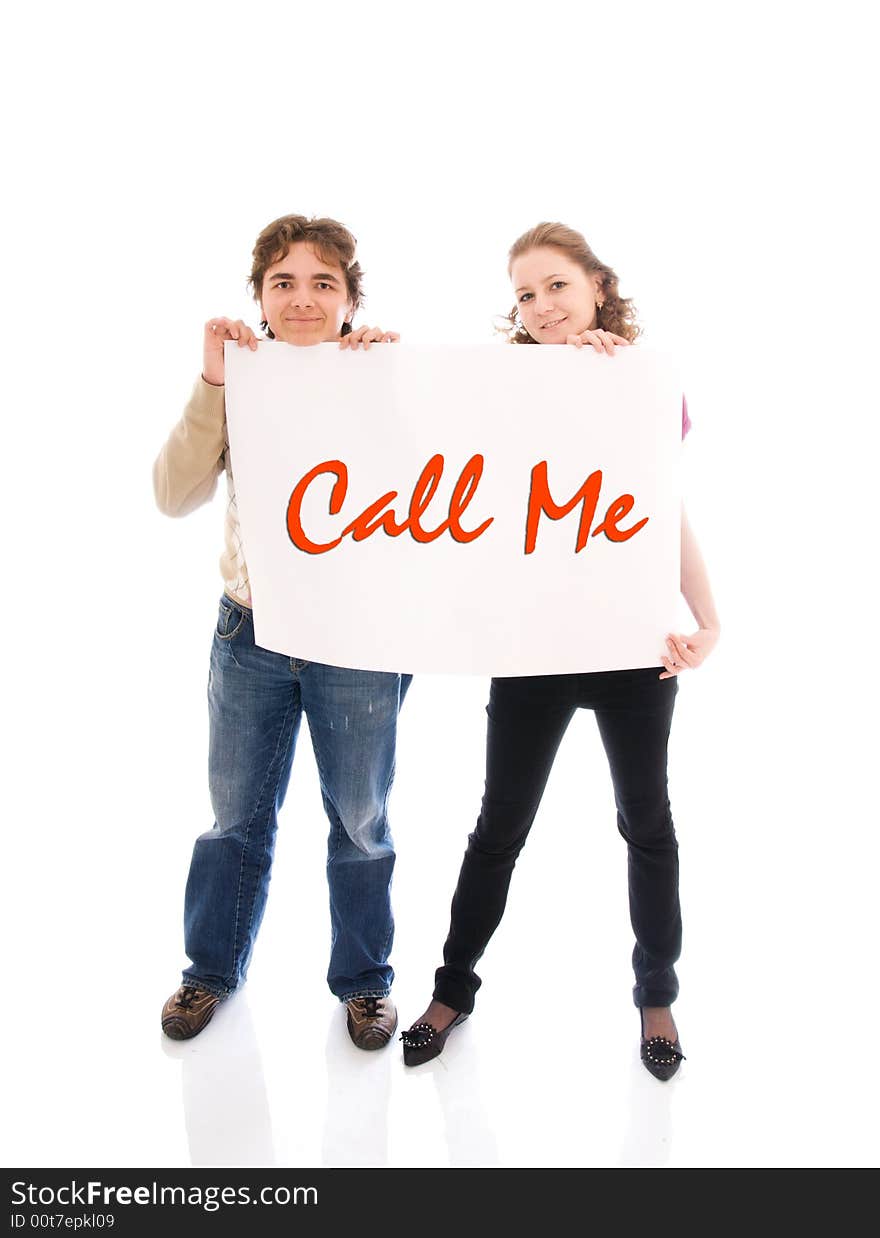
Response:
column 264, row 324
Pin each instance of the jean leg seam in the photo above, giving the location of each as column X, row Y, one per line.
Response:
column 386, row 945
column 334, row 819
column 341, row 833
column 236, row 952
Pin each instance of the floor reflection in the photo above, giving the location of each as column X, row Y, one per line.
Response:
column 469, row 1135
column 456, row 1076
column 225, row 1104
column 647, row 1137
column 358, row 1096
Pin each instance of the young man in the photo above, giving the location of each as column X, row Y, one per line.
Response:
column 307, row 282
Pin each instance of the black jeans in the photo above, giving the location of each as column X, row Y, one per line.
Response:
column 527, row 719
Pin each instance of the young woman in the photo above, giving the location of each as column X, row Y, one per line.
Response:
column 308, row 285
column 564, row 295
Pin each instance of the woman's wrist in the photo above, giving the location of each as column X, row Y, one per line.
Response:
column 708, row 625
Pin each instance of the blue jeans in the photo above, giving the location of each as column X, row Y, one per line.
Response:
column 256, row 700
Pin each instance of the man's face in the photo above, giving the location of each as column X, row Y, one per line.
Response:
column 304, row 297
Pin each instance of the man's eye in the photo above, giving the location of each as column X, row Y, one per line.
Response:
column 323, row 285
column 283, row 283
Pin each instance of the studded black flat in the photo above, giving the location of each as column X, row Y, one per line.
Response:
column 422, row 1042
column 661, row 1057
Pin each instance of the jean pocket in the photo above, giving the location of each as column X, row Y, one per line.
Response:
column 230, row 620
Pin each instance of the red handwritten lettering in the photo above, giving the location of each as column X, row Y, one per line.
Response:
column 619, row 508
column 337, row 498
column 378, row 516
column 465, row 489
column 541, row 502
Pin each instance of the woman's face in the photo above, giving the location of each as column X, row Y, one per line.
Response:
column 554, row 295
column 304, row 297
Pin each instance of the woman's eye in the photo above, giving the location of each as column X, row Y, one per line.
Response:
column 525, row 296
column 558, row 283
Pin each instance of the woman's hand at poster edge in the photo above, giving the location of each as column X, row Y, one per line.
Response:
column 688, row 652
column 602, row 341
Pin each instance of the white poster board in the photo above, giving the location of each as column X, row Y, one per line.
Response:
column 503, row 589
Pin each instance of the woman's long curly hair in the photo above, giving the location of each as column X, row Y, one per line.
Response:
column 617, row 314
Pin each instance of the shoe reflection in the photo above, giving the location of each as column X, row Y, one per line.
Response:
column 358, row 1094
column 444, row 1103
column 225, row 1104
column 648, row 1136
column 470, row 1138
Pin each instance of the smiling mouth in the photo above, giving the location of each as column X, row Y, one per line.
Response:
column 302, row 319
column 555, row 323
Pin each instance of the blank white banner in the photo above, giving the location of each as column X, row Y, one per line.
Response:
column 498, row 510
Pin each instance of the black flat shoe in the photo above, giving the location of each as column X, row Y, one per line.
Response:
column 422, row 1042
column 661, row 1057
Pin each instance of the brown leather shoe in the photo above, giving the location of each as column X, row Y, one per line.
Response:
column 372, row 1021
column 187, row 1011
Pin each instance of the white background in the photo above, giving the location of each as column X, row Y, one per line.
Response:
column 719, row 159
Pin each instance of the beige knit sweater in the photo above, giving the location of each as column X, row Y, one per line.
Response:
column 186, row 471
